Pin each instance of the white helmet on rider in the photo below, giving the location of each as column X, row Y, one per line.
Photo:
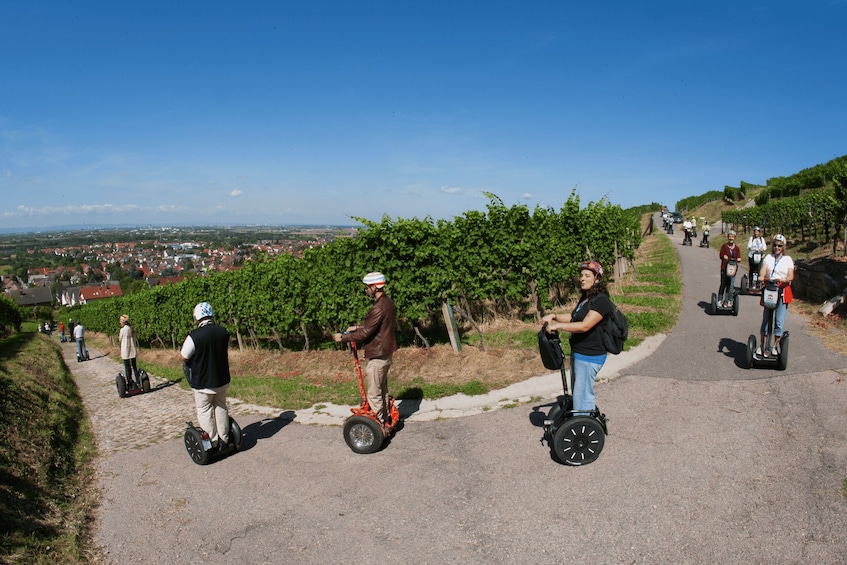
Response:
column 374, row 279
column 203, row 310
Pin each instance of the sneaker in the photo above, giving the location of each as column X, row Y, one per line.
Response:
column 774, row 351
column 758, row 352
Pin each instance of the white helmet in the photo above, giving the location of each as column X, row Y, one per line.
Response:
column 374, row 278
column 203, row 310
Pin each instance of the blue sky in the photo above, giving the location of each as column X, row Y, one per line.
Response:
column 281, row 112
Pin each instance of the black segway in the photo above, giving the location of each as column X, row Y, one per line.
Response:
column 199, row 445
column 131, row 388
column 731, row 302
column 751, row 284
column 85, row 356
column 573, row 439
column 770, row 300
column 687, row 240
column 705, row 241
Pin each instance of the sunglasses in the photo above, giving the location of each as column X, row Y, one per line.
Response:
column 778, row 245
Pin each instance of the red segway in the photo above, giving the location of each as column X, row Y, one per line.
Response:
column 363, row 431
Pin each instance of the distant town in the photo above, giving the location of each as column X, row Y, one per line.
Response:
column 70, row 267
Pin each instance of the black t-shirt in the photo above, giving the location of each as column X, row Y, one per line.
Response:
column 590, row 342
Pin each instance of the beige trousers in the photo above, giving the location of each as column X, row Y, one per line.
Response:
column 212, row 414
column 377, row 372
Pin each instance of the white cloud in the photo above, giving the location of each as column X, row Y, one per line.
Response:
column 451, row 189
column 527, row 196
column 236, row 192
column 22, row 211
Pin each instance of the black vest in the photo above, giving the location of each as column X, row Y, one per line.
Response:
column 210, row 362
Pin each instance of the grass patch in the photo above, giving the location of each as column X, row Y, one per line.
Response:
column 46, row 450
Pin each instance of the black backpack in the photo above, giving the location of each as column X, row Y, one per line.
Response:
column 615, row 330
column 550, row 348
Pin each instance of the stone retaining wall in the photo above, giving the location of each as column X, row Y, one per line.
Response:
column 818, row 280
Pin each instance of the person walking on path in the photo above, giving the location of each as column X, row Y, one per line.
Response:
column 129, row 351
column 588, row 354
column 377, row 332
column 779, row 268
column 205, row 355
column 728, row 252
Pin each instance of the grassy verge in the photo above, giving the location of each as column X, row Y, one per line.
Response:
column 46, row 450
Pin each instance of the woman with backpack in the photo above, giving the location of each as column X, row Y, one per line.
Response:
column 584, row 324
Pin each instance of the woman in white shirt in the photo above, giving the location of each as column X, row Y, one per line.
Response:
column 777, row 267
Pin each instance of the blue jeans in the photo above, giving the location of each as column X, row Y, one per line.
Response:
column 727, row 286
column 585, row 369
column 779, row 319
column 80, row 348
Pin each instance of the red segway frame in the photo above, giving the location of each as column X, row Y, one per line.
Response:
column 364, row 432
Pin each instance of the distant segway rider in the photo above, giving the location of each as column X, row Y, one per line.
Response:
column 79, row 337
column 129, row 350
column 377, row 333
column 205, row 354
column 777, row 267
column 728, row 252
column 754, row 244
column 584, row 324
column 686, row 226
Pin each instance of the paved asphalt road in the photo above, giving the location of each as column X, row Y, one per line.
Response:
column 707, row 462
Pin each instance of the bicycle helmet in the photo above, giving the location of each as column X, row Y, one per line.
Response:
column 592, row 266
column 203, row 310
column 780, row 238
column 756, row 228
column 375, row 278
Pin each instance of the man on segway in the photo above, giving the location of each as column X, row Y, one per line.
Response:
column 686, row 227
column 376, row 332
column 205, row 354
column 729, row 252
column 779, row 268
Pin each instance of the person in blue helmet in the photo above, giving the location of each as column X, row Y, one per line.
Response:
column 584, row 324
column 205, row 354
column 377, row 333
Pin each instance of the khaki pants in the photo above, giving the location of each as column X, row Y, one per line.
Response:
column 377, row 372
column 212, row 414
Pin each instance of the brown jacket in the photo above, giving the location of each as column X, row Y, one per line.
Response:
column 376, row 331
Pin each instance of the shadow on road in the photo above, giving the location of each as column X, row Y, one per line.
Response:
column 735, row 350
column 265, row 429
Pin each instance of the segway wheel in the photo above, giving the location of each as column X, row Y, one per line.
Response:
column 145, row 380
column 236, row 436
column 735, row 304
column 751, row 350
column 362, row 434
column 194, row 446
column 745, row 285
column 120, row 383
column 714, row 303
column 782, row 360
column 579, row 441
